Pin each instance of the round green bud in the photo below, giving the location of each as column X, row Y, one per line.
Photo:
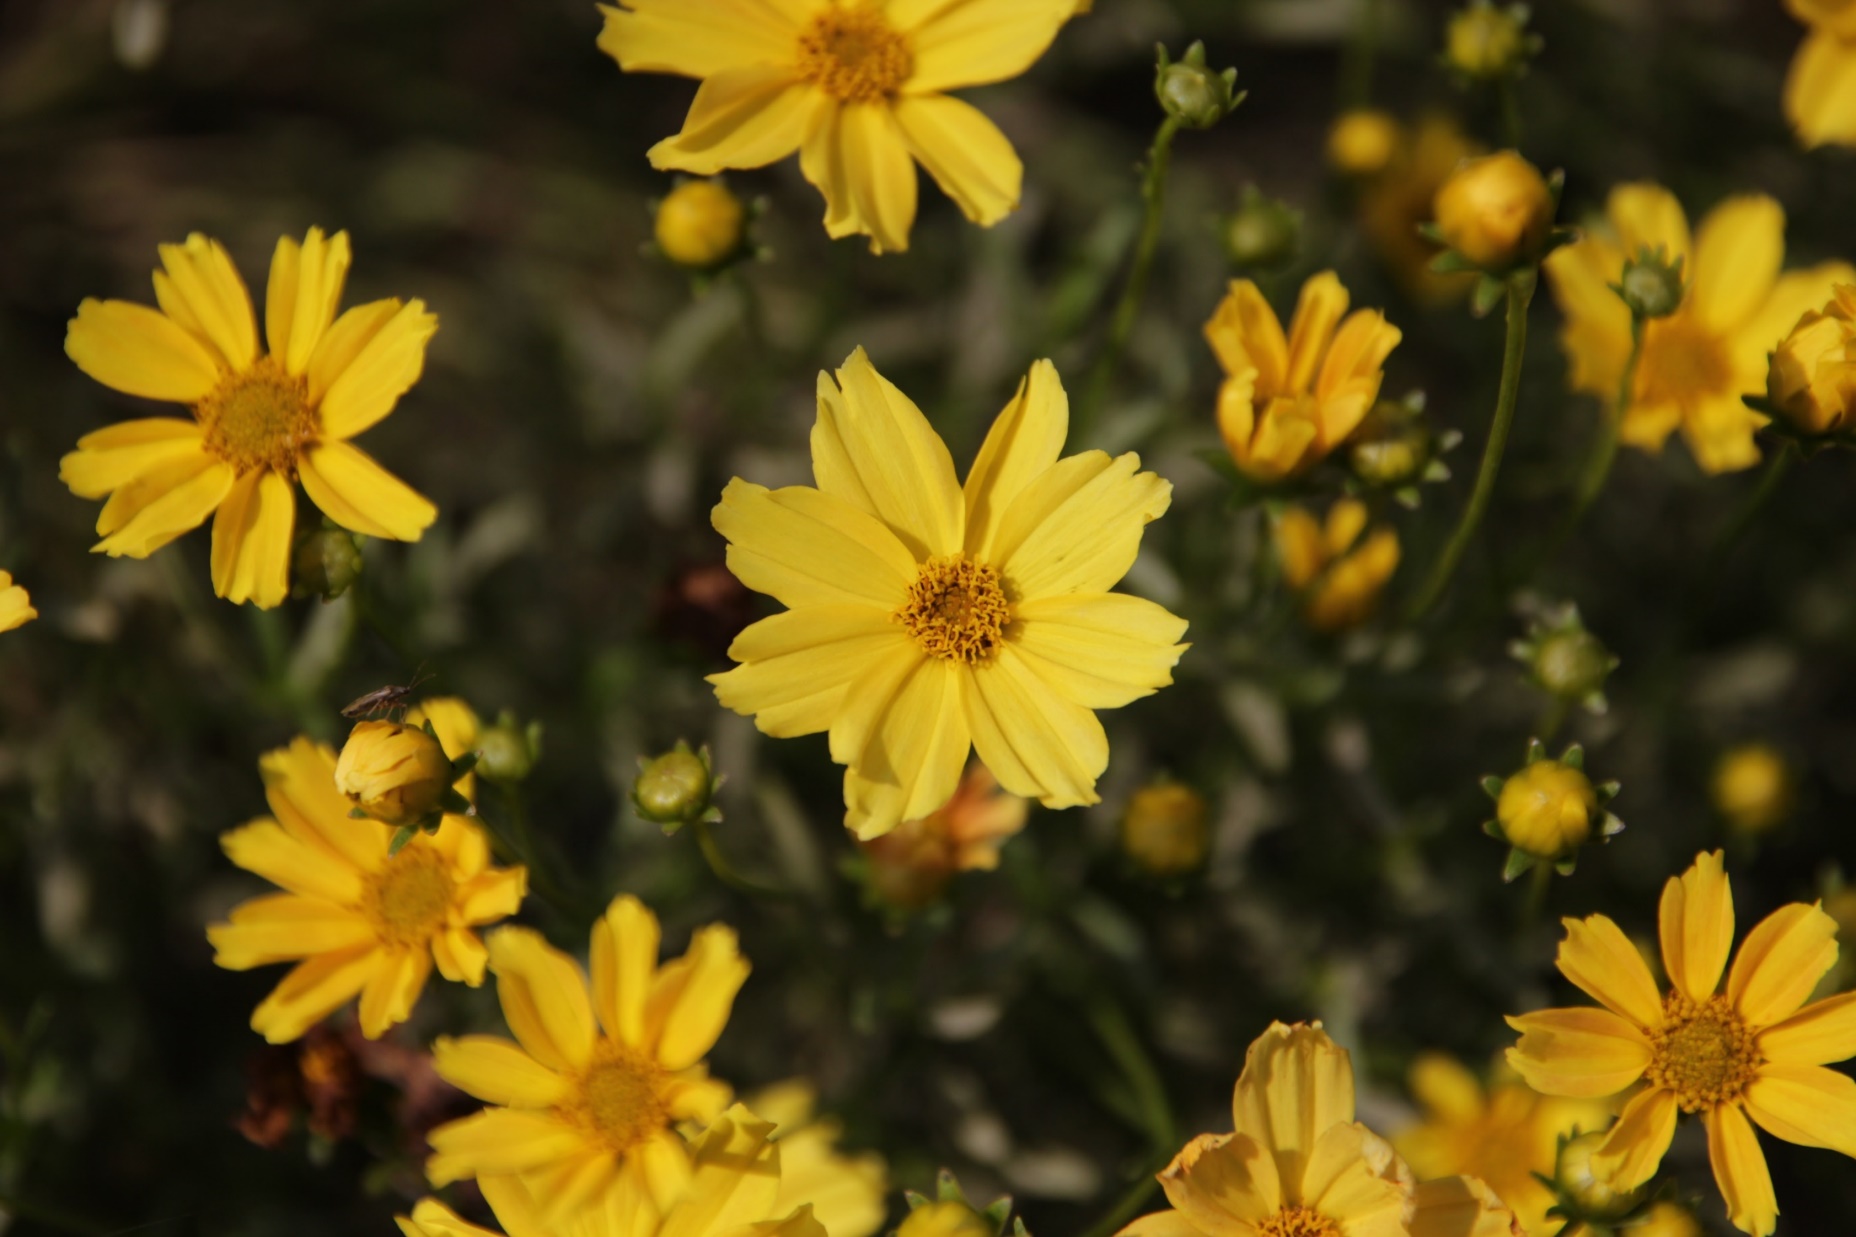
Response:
column 507, row 752
column 673, row 787
column 1593, row 1196
column 1652, row 286
column 326, row 563
column 1262, row 232
column 1191, row 93
column 1572, row 663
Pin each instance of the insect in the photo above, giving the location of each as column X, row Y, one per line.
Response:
column 386, row 699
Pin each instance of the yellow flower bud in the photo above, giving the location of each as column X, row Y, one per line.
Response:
column 1547, row 809
column 1495, row 211
column 1165, row 829
column 1752, row 787
column 701, row 224
column 675, row 788
column 1838, row 17
column 945, row 1219
column 1485, row 42
column 1592, row 1195
column 394, row 772
column 1812, row 380
column 1363, row 142
column 1667, row 1220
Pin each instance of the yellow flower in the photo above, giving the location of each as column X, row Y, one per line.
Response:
column 1165, row 829
column 1364, row 141
column 1811, row 384
column 394, row 771
column 1299, row 1165
column 589, row 1095
column 855, row 86
column 700, row 224
column 1748, row 1051
column 15, row 605
column 1752, row 787
column 1547, row 809
column 1340, row 581
column 1397, row 202
column 1698, row 362
column 261, row 421
column 1288, row 401
column 927, row 619
column 1504, row 1134
column 735, row 1186
column 361, row 922
column 847, row 1193
column 1495, row 211
column 1482, row 41
column 912, row 863
column 1820, row 90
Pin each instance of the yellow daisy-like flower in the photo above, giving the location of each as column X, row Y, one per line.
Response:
column 15, row 604
column 1339, row 576
column 847, row 1193
column 261, row 420
column 1697, row 363
column 1503, row 1134
column 1753, row 1050
column 359, row 920
column 927, row 619
column 1298, row 1165
column 855, row 86
column 737, row 1187
column 589, row 1095
column 1820, row 89
column 1287, row 401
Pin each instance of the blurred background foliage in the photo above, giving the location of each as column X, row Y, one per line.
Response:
column 1057, row 1027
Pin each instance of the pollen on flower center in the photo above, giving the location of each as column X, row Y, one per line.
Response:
column 620, row 1097
column 409, row 898
column 1704, row 1052
column 956, row 609
column 259, row 418
column 854, row 54
column 1681, row 360
column 1298, row 1222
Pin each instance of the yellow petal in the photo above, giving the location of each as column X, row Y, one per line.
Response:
column 1719, row 433
column 460, row 956
column 1247, row 337
column 304, row 291
column 497, row 1071
column 1596, row 333
column 1820, row 91
column 1820, row 1033
column 1100, row 650
column 663, row 1165
column 362, row 385
column 1805, row 1104
column 960, row 44
column 1296, row 1084
column 697, row 40
column 1634, row 1149
column 1460, row 1207
column 252, row 538
column 1599, row 958
column 575, row 1183
column 312, row 991
column 1299, row 547
column 1737, row 256
column 118, row 454
column 1318, row 312
column 1647, row 216
column 695, row 1022
column 1581, row 1053
column 1219, row 1181
column 1649, row 426
column 879, row 174
column 1025, row 439
column 742, row 118
column 1352, row 372
column 868, row 698
column 516, row 1209
column 966, row 154
column 1035, row 741
column 264, row 848
column 140, row 351
column 1446, row 1088
column 159, row 506
column 693, row 1096
column 807, row 548
column 392, row 990
column 498, row 1141
column 202, row 291
column 1351, row 1178
column 822, row 161
column 1780, row 962
column 282, row 927
column 1162, row 1224
column 1740, row 1171
column 344, row 340
column 544, row 998
column 357, row 493
column 1077, row 527
column 736, row 1175
column 796, row 666
column 431, row 1218
column 15, row 605
column 299, row 784
column 1697, row 926
column 911, row 761
column 624, row 962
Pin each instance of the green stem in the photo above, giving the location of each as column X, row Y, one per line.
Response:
column 1553, row 719
column 724, row 870
column 1520, row 293
column 1511, row 112
column 1604, row 453
column 1755, row 502
column 1111, row 1027
column 1132, row 1200
column 1357, row 77
column 1538, row 880
column 1153, row 193
column 520, row 848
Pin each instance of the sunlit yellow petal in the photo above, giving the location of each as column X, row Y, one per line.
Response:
column 1460, row 1207
column 1697, row 926
column 432, row 1218
column 360, row 386
column 1342, row 1179
column 966, row 154
column 693, row 1024
column 1597, row 956
column 282, row 927
column 807, row 548
column 1820, row 1033
column 544, row 998
column 911, row 760
column 1025, row 439
column 1805, row 1104
column 1780, row 962
column 1648, row 216
column 112, row 457
column 961, row 44
column 624, row 960
column 264, row 848
column 1738, row 250
column 312, row 991
column 879, row 173
column 696, row 40
column 1581, row 1053
column 795, row 666
column 1634, row 1149
column 252, row 538
column 161, row 505
column 392, row 990
column 1820, row 91
column 202, row 291
column 497, row 1071
column 299, row 784
column 873, row 448
column 1740, row 1171
column 742, row 118
column 140, row 351
column 1220, row 1180
column 304, row 292
column 1036, row 742
column 357, row 493
column 1318, row 311
column 1100, row 650
column 1078, row 527
column 1296, row 1084
column 15, row 605
column 498, row 1141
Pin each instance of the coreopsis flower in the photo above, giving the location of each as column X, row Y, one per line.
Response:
column 1495, row 211
column 1820, row 89
column 1811, row 382
column 588, row 1096
column 847, row 1193
column 1548, row 810
column 700, row 224
column 1400, row 200
column 1752, row 1050
column 1166, row 828
column 1364, row 141
column 734, row 1185
column 1697, row 363
column 911, row 864
column 1338, row 576
column 927, row 619
column 1297, row 1164
column 15, row 604
column 1503, row 1133
column 261, row 420
column 1287, row 401
column 1752, row 787
column 857, row 88
column 353, row 917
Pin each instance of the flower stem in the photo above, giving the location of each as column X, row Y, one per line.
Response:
column 724, row 870
column 1520, row 293
column 1604, row 452
column 1357, row 74
column 1755, row 502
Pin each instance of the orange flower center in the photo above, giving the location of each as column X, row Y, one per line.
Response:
column 619, row 1098
column 1298, row 1222
column 1704, row 1052
column 956, row 610
column 1682, row 361
column 409, row 899
column 259, row 418
column 855, row 55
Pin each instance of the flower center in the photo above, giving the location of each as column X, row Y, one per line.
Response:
column 1703, row 1052
column 1298, row 1222
column 410, row 897
column 956, row 609
column 259, row 418
column 619, row 1099
column 854, row 54
column 1681, row 361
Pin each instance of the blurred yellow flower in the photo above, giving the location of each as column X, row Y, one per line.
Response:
column 361, row 922
column 1754, row 1050
column 394, row 771
column 585, row 1116
column 1482, row 41
column 1752, row 787
column 1503, row 1134
column 1402, row 198
column 1811, row 383
column 1820, row 89
column 1289, row 400
column 15, row 604
column 847, row 1193
column 1666, row 1220
column 947, row 1218
column 929, row 619
column 1495, row 211
column 912, row 863
column 1699, row 362
column 857, row 88
column 1364, row 141
column 700, row 224
column 261, row 421
column 1340, row 581
column 1166, row 828
column 1299, row 1165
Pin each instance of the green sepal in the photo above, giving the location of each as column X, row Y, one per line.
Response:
column 1492, row 786
column 1573, row 757
column 946, row 1185
column 1611, row 827
column 454, row 804
column 1565, row 866
column 915, row 1199
column 1494, row 829
column 1536, row 751
column 1488, row 294
column 998, row 1212
column 1450, row 262
column 355, row 813
column 1519, row 861
column 464, row 764
column 1607, row 791
column 401, row 836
